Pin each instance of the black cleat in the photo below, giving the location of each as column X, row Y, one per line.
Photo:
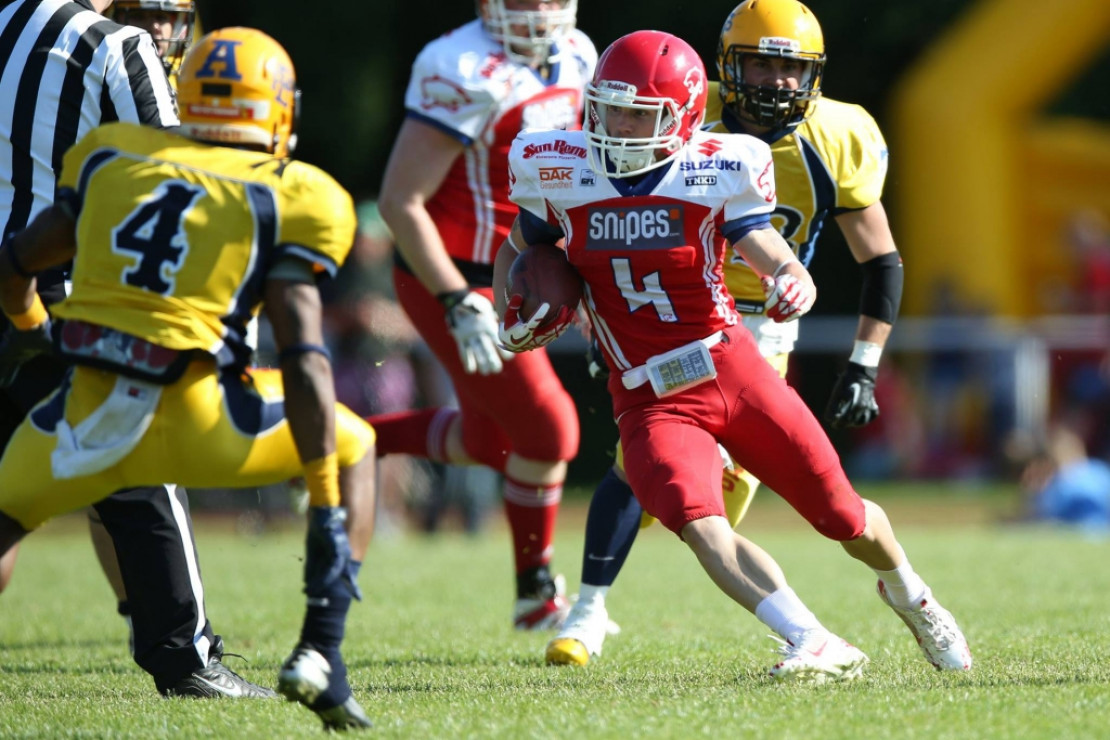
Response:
column 304, row 676
column 216, row 681
column 540, row 600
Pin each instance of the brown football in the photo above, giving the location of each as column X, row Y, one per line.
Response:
column 541, row 274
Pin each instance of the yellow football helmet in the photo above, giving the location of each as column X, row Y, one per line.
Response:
column 237, row 87
column 527, row 35
column 152, row 16
column 779, row 28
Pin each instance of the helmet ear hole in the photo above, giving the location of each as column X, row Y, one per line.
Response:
column 296, row 125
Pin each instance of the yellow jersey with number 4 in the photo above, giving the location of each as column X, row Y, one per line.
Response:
column 175, row 237
column 835, row 160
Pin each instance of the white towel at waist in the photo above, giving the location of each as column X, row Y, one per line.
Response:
column 109, row 433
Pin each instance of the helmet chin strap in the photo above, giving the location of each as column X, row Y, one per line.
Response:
column 631, row 161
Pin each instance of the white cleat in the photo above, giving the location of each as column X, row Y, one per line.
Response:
column 818, row 656
column 304, row 676
column 935, row 630
column 582, row 635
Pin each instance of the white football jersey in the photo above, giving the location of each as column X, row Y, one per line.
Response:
column 651, row 252
column 463, row 84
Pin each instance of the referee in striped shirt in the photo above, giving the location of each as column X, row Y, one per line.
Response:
column 65, row 69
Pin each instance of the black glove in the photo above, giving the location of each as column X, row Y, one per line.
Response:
column 852, row 403
column 596, row 362
column 18, row 347
column 328, row 552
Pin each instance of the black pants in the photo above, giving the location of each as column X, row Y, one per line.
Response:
column 153, row 537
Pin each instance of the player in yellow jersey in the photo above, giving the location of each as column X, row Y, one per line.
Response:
column 177, row 241
column 830, row 160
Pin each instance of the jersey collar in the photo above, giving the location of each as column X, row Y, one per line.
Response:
column 640, row 184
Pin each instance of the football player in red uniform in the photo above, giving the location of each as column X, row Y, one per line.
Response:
column 653, row 207
column 521, row 64
column 830, row 161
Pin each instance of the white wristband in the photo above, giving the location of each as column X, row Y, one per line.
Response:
column 866, row 354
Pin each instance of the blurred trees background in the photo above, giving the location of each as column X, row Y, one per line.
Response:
column 353, row 60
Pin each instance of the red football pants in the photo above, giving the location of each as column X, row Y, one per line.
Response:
column 670, row 444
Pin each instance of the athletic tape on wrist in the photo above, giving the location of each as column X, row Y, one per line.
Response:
column 321, row 477
column 32, row 317
column 866, row 354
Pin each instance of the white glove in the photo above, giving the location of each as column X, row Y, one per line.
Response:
column 473, row 322
column 788, row 298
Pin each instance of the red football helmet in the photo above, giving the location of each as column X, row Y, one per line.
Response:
column 644, row 71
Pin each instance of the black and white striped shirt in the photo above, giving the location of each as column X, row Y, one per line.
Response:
column 65, row 69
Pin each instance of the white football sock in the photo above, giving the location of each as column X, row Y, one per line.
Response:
column 785, row 613
column 903, row 586
column 591, row 595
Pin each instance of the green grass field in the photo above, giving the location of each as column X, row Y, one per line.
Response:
column 432, row 654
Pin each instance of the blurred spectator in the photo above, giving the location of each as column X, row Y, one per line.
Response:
column 892, row 445
column 1088, row 233
column 1085, row 287
column 955, row 391
column 463, row 492
column 1082, row 395
column 1082, row 392
column 372, row 342
column 381, row 365
column 1063, row 484
column 371, row 337
column 467, row 491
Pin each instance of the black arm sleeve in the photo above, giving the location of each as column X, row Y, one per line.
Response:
column 881, row 295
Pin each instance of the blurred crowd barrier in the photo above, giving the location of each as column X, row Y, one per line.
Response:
column 968, row 398
column 962, row 395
